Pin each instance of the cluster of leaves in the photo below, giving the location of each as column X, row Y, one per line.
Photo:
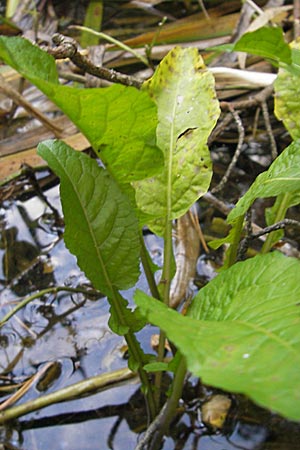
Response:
column 242, row 331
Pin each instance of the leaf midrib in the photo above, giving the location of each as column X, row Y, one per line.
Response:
column 170, row 160
column 259, row 329
column 103, row 267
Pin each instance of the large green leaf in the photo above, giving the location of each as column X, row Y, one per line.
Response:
column 101, row 227
column 187, row 112
column 243, row 332
column 119, row 121
column 267, row 42
column 282, row 176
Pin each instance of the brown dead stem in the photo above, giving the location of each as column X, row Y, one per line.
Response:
column 186, row 255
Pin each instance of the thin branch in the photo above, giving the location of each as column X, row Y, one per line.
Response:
column 296, row 19
column 244, row 244
column 152, row 429
column 276, row 226
column 254, row 100
column 255, row 121
column 9, row 91
column 236, row 155
column 25, row 387
column 204, row 10
column 256, row 8
column 217, row 203
column 112, row 40
column 67, row 48
column 266, row 116
column 221, row 126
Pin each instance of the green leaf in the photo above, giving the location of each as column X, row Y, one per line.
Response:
column 243, row 332
column 229, row 239
column 278, row 212
column 295, row 54
column 267, row 42
column 156, row 367
column 119, row 121
column 282, row 176
column 221, row 48
column 187, row 112
column 131, row 320
column 28, row 59
column 287, row 92
column 101, row 227
column 93, row 19
column 233, row 238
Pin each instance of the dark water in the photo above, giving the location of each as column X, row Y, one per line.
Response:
column 72, row 332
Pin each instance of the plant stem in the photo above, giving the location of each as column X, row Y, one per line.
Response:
column 162, row 335
column 177, row 388
column 139, row 356
column 233, row 249
column 67, row 48
column 112, row 41
column 167, row 268
column 172, row 402
column 120, row 311
column 145, row 258
column 165, row 282
column 158, row 375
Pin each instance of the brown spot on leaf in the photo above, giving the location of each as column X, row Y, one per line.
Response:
column 187, row 133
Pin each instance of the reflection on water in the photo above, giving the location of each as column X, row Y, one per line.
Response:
column 72, row 332
column 18, row 255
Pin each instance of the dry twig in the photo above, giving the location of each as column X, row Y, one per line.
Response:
column 266, row 115
column 10, row 92
column 237, row 152
column 67, row 48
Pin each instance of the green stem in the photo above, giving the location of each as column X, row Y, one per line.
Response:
column 280, row 215
column 162, row 336
column 167, row 268
column 176, row 394
column 165, row 283
column 120, row 310
column 158, row 375
column 145, row 258
column 233, row 249
column 53, row 290
column 112, row 41
column 139, row 356
column 172, row 402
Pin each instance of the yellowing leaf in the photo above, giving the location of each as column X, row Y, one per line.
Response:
column 187, row 112
column 287, row 94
